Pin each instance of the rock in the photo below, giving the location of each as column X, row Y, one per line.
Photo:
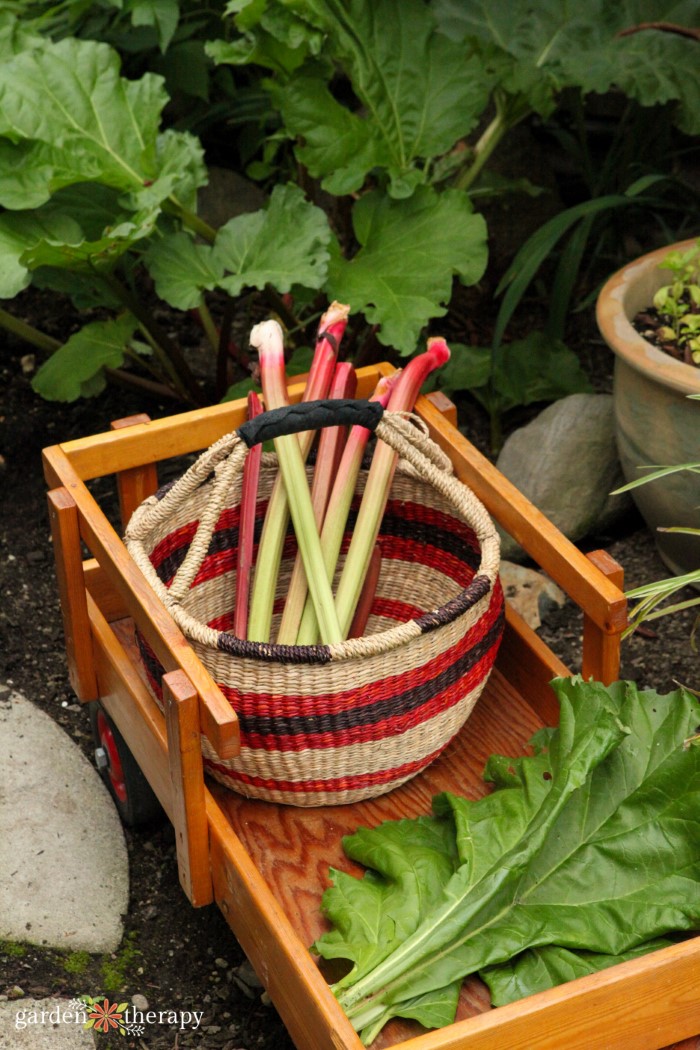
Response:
column 43, row 1024
column 139, row 1002
column 226, row 195
column 531, row 593
column 565, row 461
column 65, row 879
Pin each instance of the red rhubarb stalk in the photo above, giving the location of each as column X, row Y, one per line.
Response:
column 330, row 448
column 367, row 595
column 376, row 494
column 331, row 328
column 339, row 502
column 246, row 526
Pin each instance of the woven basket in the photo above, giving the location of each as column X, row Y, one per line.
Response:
column 329, row 724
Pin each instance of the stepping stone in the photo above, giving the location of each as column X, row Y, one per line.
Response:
column 42, row 1024
column 63, row 865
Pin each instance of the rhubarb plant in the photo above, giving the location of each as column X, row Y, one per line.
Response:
column 586, row 852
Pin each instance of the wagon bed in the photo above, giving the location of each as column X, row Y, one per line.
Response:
column 266, row 865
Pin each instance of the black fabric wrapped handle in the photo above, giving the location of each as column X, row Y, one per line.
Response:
column 310, row 415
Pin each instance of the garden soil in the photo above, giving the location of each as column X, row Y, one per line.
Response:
column 177, row 957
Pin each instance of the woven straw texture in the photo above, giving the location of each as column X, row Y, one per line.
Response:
column 322, row 724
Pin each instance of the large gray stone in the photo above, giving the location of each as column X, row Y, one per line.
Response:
column 43, row 1024
column 63, row 861
column 565, row 461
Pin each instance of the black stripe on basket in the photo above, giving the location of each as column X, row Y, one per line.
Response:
column 222, row 540
column 392, row 525
column 383, row 709
column 477, row 589
column 287, row 654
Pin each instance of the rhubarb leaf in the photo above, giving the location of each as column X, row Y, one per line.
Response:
column 76, row 119
column 536, row 52
column 76, row 369
column 375, row 914
column 590, row 844
column 537, row 969
column 51, row 236
column 283, row 244
column 419, row 92
column 401, row 277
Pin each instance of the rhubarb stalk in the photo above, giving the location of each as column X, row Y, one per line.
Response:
column 330, row 331
column 339, row 503
column 266, row 337
column 367, row 594
column 376, row 494
column 330, row 449
column 246, row 526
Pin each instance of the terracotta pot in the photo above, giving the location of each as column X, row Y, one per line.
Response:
column 656, row 422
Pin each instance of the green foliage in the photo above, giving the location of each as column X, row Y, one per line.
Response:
column 590, row 844
column 401, row 276
column 77, row 368
column 522, row 372
column 680, row 300
column 95, row 186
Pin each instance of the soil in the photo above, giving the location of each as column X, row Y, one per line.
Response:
column 653, row 326
column 176, row 956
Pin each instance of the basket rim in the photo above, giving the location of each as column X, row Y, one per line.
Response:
column 467, row 508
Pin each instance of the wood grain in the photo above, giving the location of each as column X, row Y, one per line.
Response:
column 601, row 649
column 134, row 484
column 65, row 533
column 189, row 816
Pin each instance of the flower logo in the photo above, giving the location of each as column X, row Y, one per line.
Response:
column 103, row 1015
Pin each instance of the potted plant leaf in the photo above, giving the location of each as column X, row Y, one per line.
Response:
column 657, row 418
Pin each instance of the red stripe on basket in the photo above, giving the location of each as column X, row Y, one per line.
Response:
column 415, row 552
column 392, row 609
column 260, row 704
column 381, row 730
column 332, row 784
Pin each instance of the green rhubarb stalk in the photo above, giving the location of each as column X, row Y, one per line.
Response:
column 266, row 337
column 330, row 449
column 381, row 473
column 331, row 328
column 246, row 526
column 339, row 502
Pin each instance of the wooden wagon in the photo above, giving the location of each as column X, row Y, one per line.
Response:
column 265, row 865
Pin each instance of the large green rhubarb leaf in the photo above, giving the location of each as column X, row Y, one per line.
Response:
column 419, row 94
column 76, row 369
column 75, row 119
column 537, row 969
column 589, row 845
column 536, row 51
column 284, row 244
column 411, row 249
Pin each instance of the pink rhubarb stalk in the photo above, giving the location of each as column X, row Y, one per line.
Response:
column 331, row 328
column 330, row 448
column 246, row 526
column 367, row 595
column 339, row 502
column 381, row 473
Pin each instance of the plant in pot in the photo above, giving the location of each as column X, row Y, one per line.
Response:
column 657, row 416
